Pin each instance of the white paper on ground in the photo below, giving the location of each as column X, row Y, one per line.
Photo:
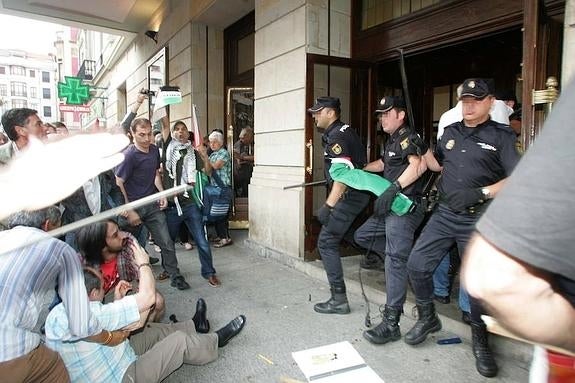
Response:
column 335, row 363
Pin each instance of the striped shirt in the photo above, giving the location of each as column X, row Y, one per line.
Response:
column 92, row 362
column 28, row 279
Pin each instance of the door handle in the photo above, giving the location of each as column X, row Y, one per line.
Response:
column 309, row 146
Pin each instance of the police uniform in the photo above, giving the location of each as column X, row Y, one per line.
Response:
column 473, row 158
column 392, row 236
column 339, row 141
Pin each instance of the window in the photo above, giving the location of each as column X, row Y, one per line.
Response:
column 33, row 92
column 18, row 89
column 3, row 90
column 32, row 73
column 2, row 70
column 46, row 93
column 45, row 76
column 19, row 104
column 18, row 70
column 34, row 106
column 47, row 111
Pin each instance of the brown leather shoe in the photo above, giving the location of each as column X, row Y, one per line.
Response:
column 214, row 281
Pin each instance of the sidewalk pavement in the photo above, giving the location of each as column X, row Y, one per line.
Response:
column 277, row 293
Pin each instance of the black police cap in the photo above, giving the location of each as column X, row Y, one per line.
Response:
column 389, row 102
column 476, row 88
column 325, row 102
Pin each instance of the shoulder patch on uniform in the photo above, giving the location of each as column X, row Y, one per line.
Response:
column 405, row 143
column 343, row 128
column 336, row 148
column 402, row 130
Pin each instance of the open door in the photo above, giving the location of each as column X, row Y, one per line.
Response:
column 542, row 45
column 240, row 142
column 350, row 81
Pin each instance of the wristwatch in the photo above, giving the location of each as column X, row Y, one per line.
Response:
column 486, row 193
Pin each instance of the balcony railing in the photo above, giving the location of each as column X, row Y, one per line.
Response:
column 87, row 70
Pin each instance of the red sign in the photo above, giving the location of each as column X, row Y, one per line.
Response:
column 74, row 108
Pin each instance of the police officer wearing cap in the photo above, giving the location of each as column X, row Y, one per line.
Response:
column 386, row 233
column 343, row 204
column 477, row 154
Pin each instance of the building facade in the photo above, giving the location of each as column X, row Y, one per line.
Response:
column 28, row 80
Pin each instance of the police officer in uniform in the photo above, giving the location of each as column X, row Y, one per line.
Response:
column 477, row 155
column 386, row 233
column 343, row 204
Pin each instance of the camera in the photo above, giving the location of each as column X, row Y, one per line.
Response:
column 148, row 92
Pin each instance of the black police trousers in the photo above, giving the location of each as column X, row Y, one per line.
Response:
column 331, row 235
column 444, row 228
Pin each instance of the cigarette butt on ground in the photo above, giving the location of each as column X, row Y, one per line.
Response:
column 265, row 359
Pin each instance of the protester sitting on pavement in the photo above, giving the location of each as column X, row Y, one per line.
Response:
column 30, row 275
column 138, row 177
column 107, row 249
column 151, row 354
column 181, row 164
column 221, row 163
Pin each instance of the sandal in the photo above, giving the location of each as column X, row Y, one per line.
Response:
column 163, row 276
column 223, row 242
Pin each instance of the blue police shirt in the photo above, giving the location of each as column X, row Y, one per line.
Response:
column 476, row 157
column 341, row 141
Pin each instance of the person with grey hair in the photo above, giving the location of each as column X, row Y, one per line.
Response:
column 222, row 166
column 29, row 278
column 243, row 161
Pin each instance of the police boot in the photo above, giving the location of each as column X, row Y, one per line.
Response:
column 427, row 322
column 387, row 330
column 484, row 361
column 337, row 304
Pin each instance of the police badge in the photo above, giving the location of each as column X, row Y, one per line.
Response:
column 336, row 149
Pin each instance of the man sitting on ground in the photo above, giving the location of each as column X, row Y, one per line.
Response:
column 107, row 249
column 151, row 354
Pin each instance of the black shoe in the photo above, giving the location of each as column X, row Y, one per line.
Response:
column 442, row 299
column 226, row 333
column 484, row 360
column 427, row 322
column 466, row 317
column 154, row 260
column 200, row 321
column 371, row 262
column 180, row 283
column 387, row 330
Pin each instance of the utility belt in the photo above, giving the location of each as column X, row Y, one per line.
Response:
column 476, row 209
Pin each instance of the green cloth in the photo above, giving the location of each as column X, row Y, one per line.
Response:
column 361, row 180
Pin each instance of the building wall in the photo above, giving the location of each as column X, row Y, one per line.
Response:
column 31, row 63
column 285, row 32
column 195, row 64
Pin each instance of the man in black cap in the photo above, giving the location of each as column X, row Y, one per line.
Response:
column 343, row 204
column 477, row 154
column 386, row 233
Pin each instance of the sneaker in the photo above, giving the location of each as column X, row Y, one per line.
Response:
column 180, row 283
column 154, row 260
column 157, row 249
column 214, row 281
column 188, row 246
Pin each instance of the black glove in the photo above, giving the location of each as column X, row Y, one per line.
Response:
column 462, row 199
column 324, row 213
column 382, row 204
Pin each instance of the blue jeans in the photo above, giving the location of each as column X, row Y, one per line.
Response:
column 192, row 217
column 392, row 237
column 441, row 284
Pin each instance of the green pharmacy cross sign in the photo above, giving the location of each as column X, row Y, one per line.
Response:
column 73, row 90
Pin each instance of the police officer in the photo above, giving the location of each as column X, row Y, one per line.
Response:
column 477, row 155
column 386, row 233
column 343, row 204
